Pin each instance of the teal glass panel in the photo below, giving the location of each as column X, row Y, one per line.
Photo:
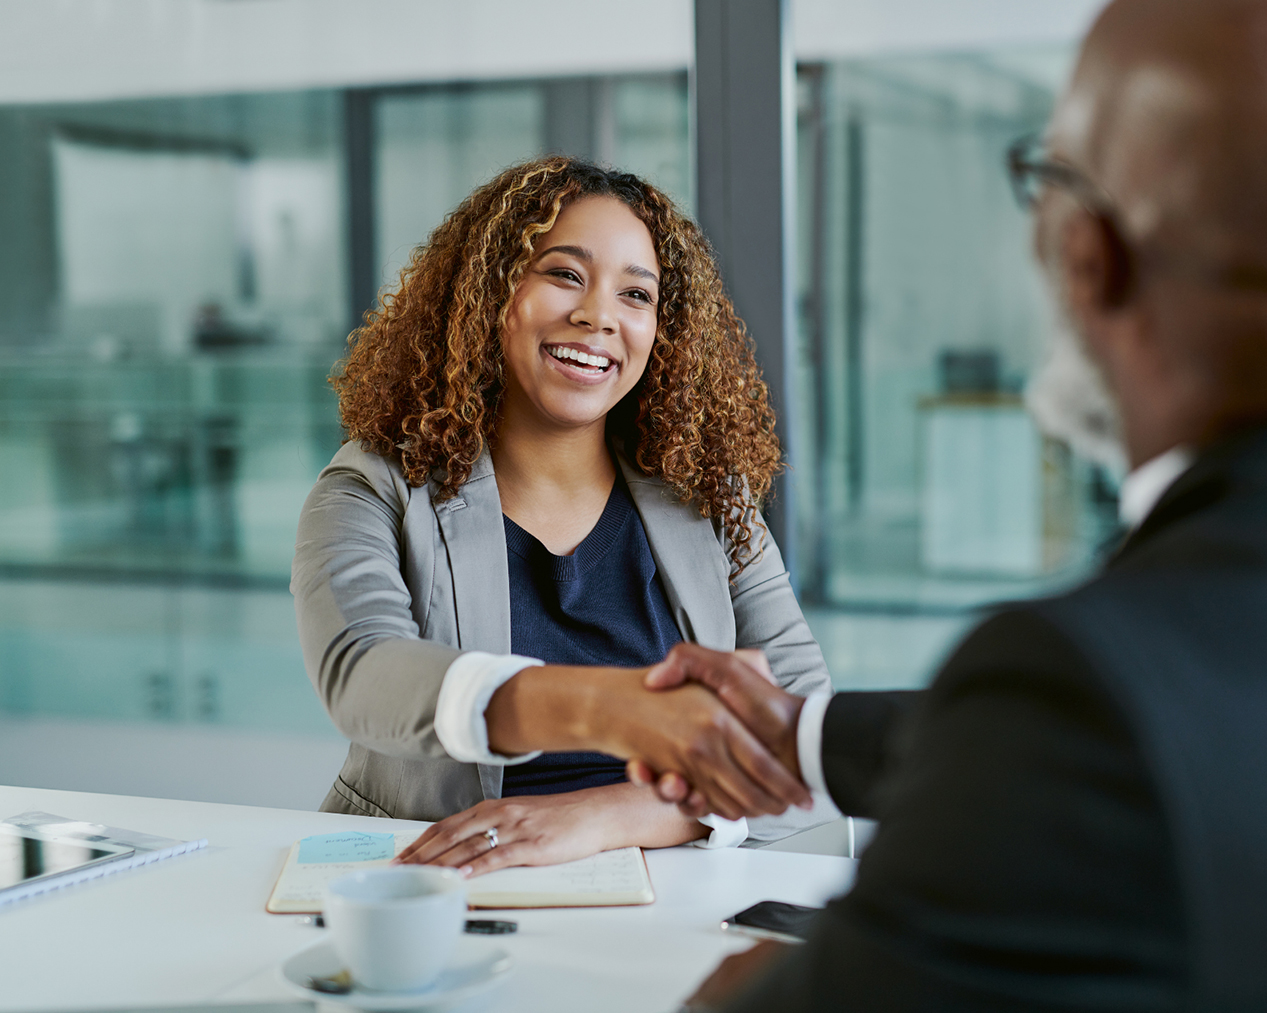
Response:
column 650, row 121
column 925, row 491
column 173, row 295
column 434, row 146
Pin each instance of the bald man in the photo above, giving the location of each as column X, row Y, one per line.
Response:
column 1079, row 820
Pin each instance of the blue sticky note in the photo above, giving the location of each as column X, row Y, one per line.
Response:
column 349, row 847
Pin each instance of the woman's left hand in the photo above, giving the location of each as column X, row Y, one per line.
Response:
column 531, row 830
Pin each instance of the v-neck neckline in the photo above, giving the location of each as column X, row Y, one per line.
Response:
column 592, row 548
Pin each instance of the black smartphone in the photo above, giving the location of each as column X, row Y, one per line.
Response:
column 773, row 919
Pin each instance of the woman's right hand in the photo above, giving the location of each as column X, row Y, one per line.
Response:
column 687, row 729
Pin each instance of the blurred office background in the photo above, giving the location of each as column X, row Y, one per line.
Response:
column 198, row 198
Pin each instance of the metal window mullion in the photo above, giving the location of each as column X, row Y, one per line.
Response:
column 745, row 127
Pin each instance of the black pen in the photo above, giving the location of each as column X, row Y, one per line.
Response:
column 475, row 926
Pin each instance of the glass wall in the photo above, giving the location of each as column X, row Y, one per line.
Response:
column 174, row 290
column 925, row 492
column 175, row 287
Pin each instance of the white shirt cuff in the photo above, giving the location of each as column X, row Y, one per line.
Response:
column 809, row 741
column 726, row 833
column 468, row 686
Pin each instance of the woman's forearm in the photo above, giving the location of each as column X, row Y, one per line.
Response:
column 551, row 707
column 635, row 817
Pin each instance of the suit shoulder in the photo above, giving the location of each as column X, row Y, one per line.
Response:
column 382, row 474
column 1036, row 650
column 1033, row 634
column 1062, row 631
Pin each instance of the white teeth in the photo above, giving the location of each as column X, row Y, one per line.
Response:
column 584, row 358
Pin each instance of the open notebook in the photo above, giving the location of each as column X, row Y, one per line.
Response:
column 608, row 879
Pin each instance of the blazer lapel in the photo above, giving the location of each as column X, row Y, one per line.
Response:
column 689, row 558
column 474, row 534
column 472, row 528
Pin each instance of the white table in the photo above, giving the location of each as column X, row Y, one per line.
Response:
column 193, row 929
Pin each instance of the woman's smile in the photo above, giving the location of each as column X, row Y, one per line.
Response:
column 582, row 363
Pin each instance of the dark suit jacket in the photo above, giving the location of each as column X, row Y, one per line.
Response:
column 1079, row 818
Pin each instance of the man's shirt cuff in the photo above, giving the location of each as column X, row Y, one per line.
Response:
column 726, row 833
column 468, row 686
column 809, row 741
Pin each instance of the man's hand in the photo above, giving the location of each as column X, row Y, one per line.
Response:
column 734, row 973
column 742, row 681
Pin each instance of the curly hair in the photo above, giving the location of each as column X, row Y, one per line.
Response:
column 423, row 379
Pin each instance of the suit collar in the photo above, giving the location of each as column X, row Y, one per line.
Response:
column 1216, row 471
column 1144, row 487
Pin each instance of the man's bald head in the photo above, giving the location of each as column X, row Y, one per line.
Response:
column 1167, row 112
column 1167, row 281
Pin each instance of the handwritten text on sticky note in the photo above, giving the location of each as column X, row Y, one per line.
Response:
column 348, row 847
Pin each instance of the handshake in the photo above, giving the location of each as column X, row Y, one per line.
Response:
column 709, row 730
column 734, row 755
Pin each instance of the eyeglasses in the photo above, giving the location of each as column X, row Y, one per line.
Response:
column 1030, row 167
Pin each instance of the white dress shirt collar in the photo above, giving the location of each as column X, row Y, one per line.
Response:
column 1144, row 486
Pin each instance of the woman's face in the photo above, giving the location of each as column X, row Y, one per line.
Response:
column 582, row 322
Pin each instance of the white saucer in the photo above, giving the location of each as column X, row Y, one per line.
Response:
column 475, row 966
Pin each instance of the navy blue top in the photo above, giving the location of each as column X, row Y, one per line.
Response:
column 602, row 605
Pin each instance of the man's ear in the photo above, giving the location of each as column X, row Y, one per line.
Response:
column 1098, row 266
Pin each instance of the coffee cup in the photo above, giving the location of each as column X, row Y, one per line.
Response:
column 395, row 928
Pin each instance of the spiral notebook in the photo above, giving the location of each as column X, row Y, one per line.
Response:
column 609, row 879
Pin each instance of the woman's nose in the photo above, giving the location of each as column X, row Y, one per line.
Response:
column 596, row 313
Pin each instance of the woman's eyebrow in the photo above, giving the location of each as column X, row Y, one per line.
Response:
column 579, row 252
column 641, row 272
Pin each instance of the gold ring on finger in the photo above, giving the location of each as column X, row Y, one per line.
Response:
column 491, row 834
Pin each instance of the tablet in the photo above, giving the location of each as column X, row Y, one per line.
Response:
column 26, row 856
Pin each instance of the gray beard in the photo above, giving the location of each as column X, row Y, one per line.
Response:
column 1069, row 401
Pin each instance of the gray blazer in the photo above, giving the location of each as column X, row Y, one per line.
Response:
column 391, row 586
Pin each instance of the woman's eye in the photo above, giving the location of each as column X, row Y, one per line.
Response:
column 640, row 294
column 565, row 274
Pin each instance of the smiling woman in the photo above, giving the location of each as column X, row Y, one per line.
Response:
column 557, row 438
